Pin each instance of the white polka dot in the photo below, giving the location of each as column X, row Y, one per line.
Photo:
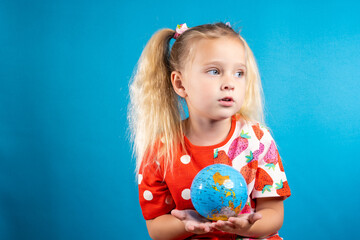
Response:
column 168, row 200
column 185, row 159
column 185, row 194
column 140, row 178
column 148, row 195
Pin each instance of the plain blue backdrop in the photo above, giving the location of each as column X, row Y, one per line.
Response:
column 66, row 170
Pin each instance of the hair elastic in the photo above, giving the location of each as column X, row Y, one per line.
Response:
column 179, row 30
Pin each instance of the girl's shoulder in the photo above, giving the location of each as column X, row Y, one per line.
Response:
column 253, row 130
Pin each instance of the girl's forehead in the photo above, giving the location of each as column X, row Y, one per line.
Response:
column 219, row 49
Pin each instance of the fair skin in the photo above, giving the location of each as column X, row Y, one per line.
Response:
column 213, row 86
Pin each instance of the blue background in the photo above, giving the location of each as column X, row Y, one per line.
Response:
column 66, row 170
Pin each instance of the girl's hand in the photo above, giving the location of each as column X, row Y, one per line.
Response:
column 193, row 221
column 238, row 224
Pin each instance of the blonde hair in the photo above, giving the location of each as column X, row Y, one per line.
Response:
column 155, row 110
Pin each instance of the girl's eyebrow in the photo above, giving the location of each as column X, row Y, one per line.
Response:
column 220, row 63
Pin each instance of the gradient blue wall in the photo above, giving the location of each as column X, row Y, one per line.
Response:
column 66, row 170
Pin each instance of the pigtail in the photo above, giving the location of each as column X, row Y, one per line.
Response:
column 154, row 107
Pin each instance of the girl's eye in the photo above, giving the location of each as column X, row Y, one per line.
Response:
column 213, row 72
column 239, row 74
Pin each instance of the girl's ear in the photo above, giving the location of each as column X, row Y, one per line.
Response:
column 177, row 82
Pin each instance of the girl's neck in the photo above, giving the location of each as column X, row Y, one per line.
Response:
column 207, row 132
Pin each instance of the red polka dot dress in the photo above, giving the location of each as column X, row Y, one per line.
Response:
column 249, row 148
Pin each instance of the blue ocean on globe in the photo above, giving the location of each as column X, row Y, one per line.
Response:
column 218, row 192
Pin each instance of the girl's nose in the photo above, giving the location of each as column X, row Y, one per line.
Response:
column 227, row 84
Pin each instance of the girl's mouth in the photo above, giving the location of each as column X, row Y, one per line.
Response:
column 226, row 101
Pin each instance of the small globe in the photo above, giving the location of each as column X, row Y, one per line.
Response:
column 218, row 192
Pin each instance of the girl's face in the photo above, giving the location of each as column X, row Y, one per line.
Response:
column 214, row 83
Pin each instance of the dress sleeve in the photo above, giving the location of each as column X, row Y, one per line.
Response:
column 270, row 180
column 154, row 195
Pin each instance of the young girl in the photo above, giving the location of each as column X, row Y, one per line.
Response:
column 214, row 70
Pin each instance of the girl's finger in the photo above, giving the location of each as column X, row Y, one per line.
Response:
column 206, row 228
column 178, row 214
column 240, row 222
column 190, row 227
column 224, row 226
